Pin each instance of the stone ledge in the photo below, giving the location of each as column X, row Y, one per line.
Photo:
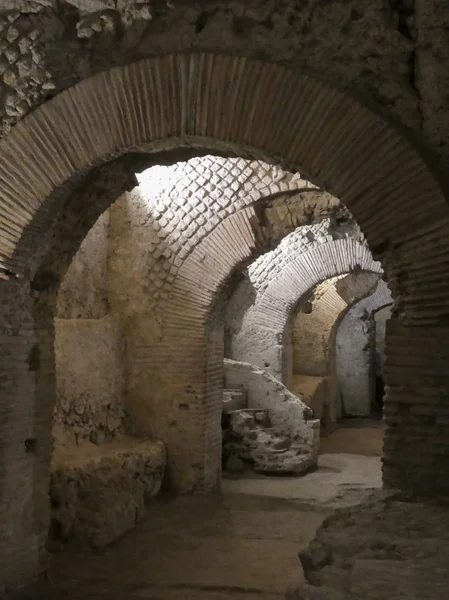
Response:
column 100, row 492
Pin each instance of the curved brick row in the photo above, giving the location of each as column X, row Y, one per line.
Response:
column 260, row 335
column 250, row 108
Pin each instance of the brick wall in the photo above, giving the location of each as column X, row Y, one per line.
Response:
column 375, row 171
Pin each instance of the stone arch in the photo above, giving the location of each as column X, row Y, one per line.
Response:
column 244, row 106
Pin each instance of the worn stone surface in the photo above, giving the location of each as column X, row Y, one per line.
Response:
column 385, row 548
column 83, row 293
column 288, row 415
column 249, row 436
column 98, row 494
column 90, row 380
column 355, row 346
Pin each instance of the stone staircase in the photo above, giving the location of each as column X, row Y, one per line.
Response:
column 251, row 442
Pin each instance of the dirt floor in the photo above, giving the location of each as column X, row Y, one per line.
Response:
column 240, row 544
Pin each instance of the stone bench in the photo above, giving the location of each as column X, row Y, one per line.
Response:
column 98, row 493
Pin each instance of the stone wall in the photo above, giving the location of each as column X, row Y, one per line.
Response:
column 89, row 348
column 311, row 330
column 314, row 330
column 101, row 478
column 90, row 383
column 356, row 343
column 355, row 363
column 83, row 293
column 99, row 493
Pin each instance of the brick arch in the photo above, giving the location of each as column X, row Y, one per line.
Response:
column 251, row 108
column 195, row 197
column 313, row 338
column 304, row 272
column 300, row 273
column 203, row 273
column 126, row 108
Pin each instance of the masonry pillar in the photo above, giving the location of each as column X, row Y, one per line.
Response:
column 25, row 439
column 416, row 444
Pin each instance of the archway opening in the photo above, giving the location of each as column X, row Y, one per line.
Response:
column 364, row 161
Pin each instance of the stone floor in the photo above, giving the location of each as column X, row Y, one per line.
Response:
column 241, row 544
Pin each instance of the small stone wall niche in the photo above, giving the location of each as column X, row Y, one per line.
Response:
column 89, row 349
column 102, row 476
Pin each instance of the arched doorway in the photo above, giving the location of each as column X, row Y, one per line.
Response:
column 252, row 108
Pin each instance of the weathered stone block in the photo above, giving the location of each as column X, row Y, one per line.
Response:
column 101, row 493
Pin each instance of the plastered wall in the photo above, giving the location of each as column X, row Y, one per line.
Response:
column 89, row 349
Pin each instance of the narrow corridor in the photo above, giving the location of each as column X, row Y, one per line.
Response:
column 240, row 544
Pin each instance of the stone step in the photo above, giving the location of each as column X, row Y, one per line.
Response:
column 234, row 400
column 249, row 419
